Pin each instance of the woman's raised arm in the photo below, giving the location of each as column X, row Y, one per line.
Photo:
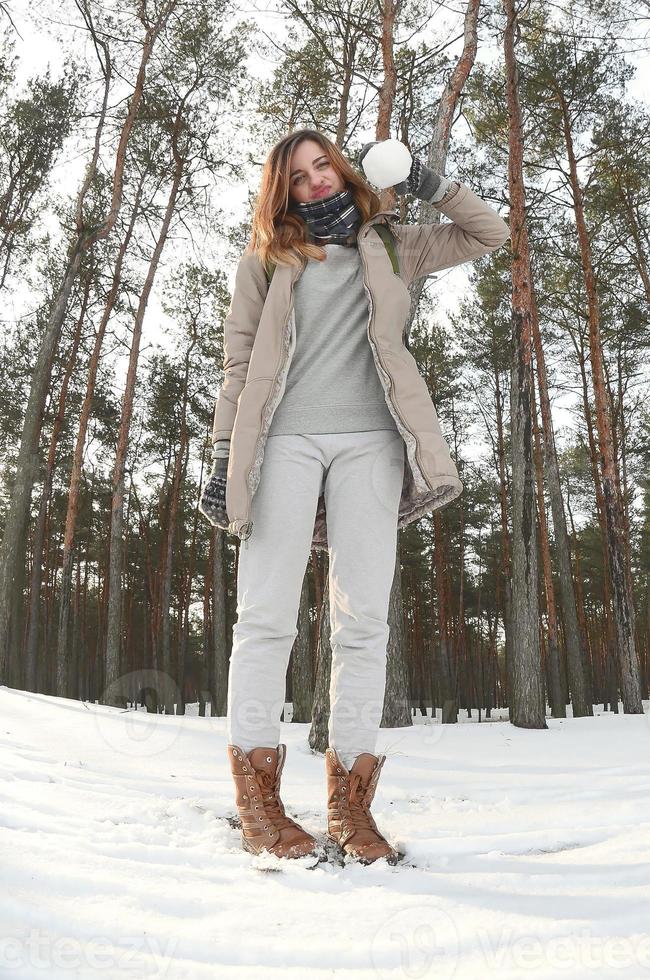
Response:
column 474, row 230
column 475, row 227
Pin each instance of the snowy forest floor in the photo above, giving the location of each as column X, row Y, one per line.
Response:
column 527, row 853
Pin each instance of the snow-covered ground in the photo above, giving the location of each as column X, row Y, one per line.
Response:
column 527, row 853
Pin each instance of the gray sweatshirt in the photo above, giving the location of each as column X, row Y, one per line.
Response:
column 332, row 384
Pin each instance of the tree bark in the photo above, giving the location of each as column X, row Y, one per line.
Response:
column 318, row 733
column 577, row 666
column 172, row 512
column 397, row 709
column 623, row 604
column 527, row 710
column 302, row 684
column 34, row 627
column 554, row 685
column 446, row 667
column 219, row 641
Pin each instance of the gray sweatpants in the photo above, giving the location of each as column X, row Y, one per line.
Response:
column 361, row 475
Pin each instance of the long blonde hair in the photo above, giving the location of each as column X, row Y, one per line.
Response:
column 279, row 235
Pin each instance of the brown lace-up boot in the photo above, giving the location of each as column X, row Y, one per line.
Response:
column 349, row 795
column 265, row 825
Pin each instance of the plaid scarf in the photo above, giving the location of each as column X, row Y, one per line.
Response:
column 334, row 220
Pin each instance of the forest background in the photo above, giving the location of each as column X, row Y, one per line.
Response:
column 132, row 136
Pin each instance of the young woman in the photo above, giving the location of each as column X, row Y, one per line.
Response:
column 325, row 436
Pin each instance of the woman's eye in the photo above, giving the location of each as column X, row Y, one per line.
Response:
column 322, row 165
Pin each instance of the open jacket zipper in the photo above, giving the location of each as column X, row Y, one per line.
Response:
column 373, row 340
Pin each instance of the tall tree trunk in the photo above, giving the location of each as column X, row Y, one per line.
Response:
column 577, row 667
column 461, row 631
column 318, row 733
column 554, row 685
column 219, row 645
column 623, row 604
column 506, row 561
column 13, row 541
column 446, row 672
column 480, row 680
column 80, row 442
column 302, row 679
column 207, row 677
column 166, row 573
column 397, row 709
column 441, row 129
column 186, row 595
column 112, row 692
column 33, row 631
column 172, row 512
column 600, row 511
column 527, row 710
column 623, row 483
column 389, row 10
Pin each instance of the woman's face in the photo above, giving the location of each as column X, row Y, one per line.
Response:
column 312, row 177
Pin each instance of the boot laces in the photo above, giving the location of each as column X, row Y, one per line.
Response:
column 271, row 800
column 360, row 804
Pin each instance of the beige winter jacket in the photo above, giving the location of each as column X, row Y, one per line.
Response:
column 259, row 340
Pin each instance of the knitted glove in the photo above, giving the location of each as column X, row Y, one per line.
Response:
column 422, row 182
column 213, row 498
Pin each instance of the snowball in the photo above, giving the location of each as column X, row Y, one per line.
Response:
column 387, row 163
